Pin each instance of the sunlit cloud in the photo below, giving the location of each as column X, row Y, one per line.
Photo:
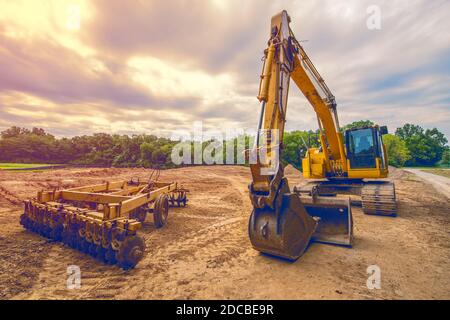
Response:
column 172, row 79
column 78, row 67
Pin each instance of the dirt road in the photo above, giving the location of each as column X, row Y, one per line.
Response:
column 440, row 183
column 204, row 251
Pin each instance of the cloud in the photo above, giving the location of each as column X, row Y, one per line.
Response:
column 44, row 68
column 155, row 66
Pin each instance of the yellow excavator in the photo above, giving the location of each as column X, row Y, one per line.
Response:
column 284, row 221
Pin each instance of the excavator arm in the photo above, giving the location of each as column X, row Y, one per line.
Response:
column 313, row 87
column 282, row 222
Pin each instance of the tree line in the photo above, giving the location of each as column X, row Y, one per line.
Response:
column 410, row 145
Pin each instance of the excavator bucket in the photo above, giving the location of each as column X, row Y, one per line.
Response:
column 283, row 232
column 286, row 230
column 335, row 222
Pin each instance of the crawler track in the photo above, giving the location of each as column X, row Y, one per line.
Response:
column 379, row 199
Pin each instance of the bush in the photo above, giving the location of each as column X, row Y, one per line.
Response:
column 426, row 147
column 396, row 149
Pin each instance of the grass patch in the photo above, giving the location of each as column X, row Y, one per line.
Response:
column 440, row 172
column 6, row 166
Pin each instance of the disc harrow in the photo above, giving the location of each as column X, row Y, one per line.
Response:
column 103, row 220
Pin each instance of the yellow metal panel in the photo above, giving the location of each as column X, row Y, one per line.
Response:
column 136, row 202
column 92, row 197
column 306, row 168
column 366, row 173
column 99, row 187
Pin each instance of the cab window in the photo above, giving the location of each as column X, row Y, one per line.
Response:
column 361, row 148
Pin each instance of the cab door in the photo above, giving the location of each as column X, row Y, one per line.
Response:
column 362, row 147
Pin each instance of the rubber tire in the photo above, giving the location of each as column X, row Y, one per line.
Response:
column 161, row 211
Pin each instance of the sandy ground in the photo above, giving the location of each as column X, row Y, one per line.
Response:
column 440, row 183
column 204, row 251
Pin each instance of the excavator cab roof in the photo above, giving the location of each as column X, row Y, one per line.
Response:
column 382, row 129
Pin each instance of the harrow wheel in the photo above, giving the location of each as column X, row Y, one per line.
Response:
column 92, row 249
column 84, row 246
column 24, row 220
column 100, row 253
column 161, row 211
column 130, row 252
column 178, row 198
column 56, row 233
column 110, row 256
column 69, row 237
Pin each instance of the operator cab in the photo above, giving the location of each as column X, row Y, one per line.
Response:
column 364, row 145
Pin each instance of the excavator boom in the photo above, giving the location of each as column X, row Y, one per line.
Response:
column 282, row 222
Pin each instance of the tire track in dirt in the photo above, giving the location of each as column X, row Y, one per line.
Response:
column 214, row 245
column 52, row 279
column 9, row 197
column 206, row 251
column 153, row 273
column 199, row 252
column 156, row 265
column 162, row 273
column 206, row 255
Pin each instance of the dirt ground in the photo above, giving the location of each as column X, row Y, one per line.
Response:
column 204, row 251
column 437, row 178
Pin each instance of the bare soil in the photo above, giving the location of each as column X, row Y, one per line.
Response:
column 204, row 251
column 439, row 172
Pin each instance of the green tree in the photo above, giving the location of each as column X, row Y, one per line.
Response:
column 446, row 157
column 426, row 147
column 147, row 150
column 357, row 125
column 22, row 145
column 14, row 132
column 295, row 146
column 396, row 150
column 161, row 155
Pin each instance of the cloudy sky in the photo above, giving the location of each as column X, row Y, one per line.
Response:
column 78, row 67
